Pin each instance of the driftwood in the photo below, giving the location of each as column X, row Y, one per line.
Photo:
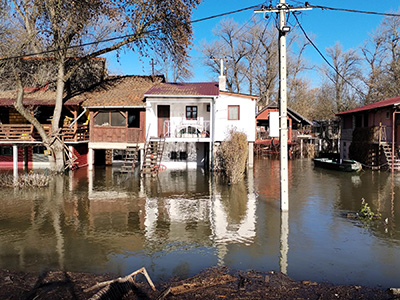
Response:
column 190, row 287
column 115, row 289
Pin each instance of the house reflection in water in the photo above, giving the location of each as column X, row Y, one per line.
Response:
column 185, row 208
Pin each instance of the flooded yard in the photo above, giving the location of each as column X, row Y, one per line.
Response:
column 186, row 221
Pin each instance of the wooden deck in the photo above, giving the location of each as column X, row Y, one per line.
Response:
column 27, row 132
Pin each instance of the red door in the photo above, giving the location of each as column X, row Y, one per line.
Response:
column 163, row 115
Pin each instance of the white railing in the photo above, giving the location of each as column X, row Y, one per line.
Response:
column 187, row 129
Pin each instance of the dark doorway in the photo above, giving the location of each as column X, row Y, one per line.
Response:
column 162, row 115
column 100, row 157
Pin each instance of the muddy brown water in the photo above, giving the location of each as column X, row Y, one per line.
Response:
column 186, row 221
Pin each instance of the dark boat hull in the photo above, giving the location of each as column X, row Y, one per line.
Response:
column 343, row 165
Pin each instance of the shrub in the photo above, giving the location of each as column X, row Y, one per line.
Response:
column 232, row 155
column 26, row 180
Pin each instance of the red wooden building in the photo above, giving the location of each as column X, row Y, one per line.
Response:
column 299, row 131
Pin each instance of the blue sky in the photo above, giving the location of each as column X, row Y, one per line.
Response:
column 324, row 26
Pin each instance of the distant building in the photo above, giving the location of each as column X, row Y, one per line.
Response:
column 299, row 131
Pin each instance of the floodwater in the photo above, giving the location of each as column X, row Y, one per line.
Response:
column 185, row 221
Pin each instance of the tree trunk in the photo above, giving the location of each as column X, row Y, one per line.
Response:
column 56, row 147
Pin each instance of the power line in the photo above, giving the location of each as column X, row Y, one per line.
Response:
column 356, row 11
column 225, row 14
column 124, row 36
column 325, row 59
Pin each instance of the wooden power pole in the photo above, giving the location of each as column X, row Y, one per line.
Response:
column 282, row 9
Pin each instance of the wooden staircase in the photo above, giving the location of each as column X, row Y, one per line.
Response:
column 154, row 150
column 130, row 159
column 387, row 150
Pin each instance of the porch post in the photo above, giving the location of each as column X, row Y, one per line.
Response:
column 301, row 148
column 15, row 161
column 90, row 158
column 212, row 137
column 251, row 155
column 141, row 157
column 26, row 158
column 393, row 138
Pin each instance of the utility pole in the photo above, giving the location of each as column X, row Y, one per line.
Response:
column 282, row 9
column 222, row 78
column 221, row 63
column 152, row 63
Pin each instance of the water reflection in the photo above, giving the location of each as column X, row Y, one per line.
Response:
column 185, row 221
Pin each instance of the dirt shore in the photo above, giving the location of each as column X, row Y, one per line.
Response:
column 214, row 283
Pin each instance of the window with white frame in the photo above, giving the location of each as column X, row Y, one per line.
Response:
column 191, row 112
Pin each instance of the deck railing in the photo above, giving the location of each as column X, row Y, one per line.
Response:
column 194, row 129
column 27, row 132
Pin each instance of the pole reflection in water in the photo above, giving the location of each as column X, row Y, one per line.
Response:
column 284, row 244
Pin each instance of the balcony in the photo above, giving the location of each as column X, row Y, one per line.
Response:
column 189, row 129
column 27, row 132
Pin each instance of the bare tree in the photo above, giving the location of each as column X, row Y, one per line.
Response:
column 62, row 26
column 324, row 108
column 173, row 71
column 253, row 50
column 230, row 44
column 382, row 54
column 343, row 77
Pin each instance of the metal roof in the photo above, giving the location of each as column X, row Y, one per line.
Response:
column 384, row 103
column 184, row 89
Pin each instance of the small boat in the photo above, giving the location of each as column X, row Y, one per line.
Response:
column 345, row 165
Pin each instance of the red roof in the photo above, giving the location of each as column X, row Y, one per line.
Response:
column 184, row 89
column 380, row 104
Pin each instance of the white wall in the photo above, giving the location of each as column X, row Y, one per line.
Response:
column 177, row 111
column 246, row 122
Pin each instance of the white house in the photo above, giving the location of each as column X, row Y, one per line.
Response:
column 193, row 117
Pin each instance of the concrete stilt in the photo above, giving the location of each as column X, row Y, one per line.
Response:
column 26, row 159
column 90, row 158
column 15, row 161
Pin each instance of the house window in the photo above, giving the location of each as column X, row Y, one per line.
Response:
column 38, row 149
column 233, row 112
column 6, row 151
column 191, row 112
column 117, row 119
column 102, row 119
column 133, row 118
column 387, row 115
column 109, row 118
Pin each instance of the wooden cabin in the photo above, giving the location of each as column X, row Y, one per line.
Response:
column 117, row 115
column 371, row 134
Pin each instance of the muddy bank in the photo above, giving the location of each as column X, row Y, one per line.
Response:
column 215, row 283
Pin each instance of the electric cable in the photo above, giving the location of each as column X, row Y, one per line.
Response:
column 123, row 36
column 355, row 11
column 325, row 59
column 191, row 22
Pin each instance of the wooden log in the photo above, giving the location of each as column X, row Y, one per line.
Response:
column 190, row 287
